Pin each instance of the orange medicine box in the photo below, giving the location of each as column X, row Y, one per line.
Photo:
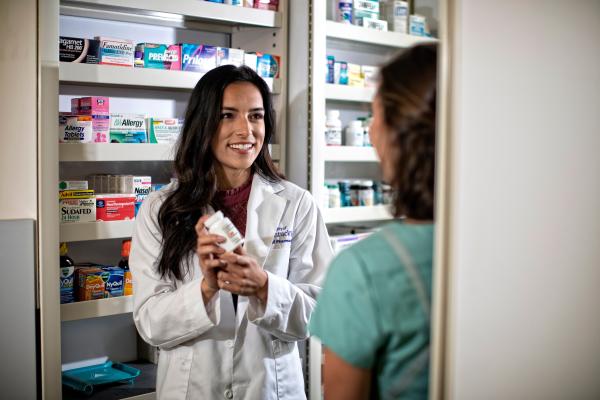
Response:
column 115, row 207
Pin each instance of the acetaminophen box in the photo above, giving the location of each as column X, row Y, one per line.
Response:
column 115, row 207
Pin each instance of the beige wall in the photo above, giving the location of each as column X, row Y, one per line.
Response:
column 18, row 133
column 524, row 205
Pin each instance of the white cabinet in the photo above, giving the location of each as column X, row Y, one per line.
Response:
column 158, row 93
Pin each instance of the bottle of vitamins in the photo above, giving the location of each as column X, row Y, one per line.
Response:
column 355, row 134
column 220, row 225
column 124, row 263
column 333, row 128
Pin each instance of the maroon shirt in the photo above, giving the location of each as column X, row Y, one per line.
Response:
column 233, row 203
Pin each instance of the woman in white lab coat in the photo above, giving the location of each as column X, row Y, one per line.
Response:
column 227, row 324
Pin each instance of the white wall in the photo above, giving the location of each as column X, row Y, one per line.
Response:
column 524, row 255
column 18, row 108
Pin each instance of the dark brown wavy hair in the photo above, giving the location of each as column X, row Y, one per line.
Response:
column 407, row 90
column 194, row 165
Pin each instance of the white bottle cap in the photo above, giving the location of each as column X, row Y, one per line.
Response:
column 333, row 114
column 216, row 217
column 356, row 124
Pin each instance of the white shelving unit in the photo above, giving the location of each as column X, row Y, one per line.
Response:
column 353, row 33
column 356, row 214
column 79, row 152
column 237, row 27
column 349, row 154
column 85, row 231
column 349, row 93
column 96, row 308
column 108, row 75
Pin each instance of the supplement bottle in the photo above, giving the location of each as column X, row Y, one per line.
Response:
column 334, row 195
column 333, row 128
column 366, row 127
column 220, row 225
column 355, row 193
column 378, row 193
column 67, row 275
column 366, row 194
column 124, row 263
column 355, row 134
column 345, row 197
column 387, row 193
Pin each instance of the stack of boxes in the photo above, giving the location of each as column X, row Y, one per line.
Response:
column 344, row 73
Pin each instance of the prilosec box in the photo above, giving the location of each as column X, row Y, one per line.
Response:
column 164, row 130
column 128, row 128
column 75, row 129
column 158, row 56
column 78, row 50
column 116, row 51
column 227, row 56
column 198, row 57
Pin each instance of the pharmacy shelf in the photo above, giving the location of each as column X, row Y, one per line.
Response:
column 357, row 214
column 110, row 75
column 349, row 93
column 178, row 9
column 336, row 30
column 350, row 154
column 96, row 308
column 127, row 152
column 84, row 231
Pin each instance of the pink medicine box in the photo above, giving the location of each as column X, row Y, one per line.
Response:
column 93, row 106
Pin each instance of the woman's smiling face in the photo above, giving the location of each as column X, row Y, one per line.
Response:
column 241, row 131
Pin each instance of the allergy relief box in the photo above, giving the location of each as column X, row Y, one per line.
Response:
column 128, row 128
column 164, row 130
column 75, row 128
column 116, row 51
column 198, row 57
column 78, row 50
column 158, row 56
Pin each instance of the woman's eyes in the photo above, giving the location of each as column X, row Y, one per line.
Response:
column 256, row 116
column 252, row 117
column 226, row 115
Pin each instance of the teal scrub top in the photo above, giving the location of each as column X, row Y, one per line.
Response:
column 370, row 314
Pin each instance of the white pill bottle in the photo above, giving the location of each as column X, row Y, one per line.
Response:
column 220, row 225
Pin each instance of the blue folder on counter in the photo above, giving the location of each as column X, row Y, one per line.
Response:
column 85, row 378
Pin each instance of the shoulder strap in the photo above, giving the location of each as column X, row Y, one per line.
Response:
column 421, row 360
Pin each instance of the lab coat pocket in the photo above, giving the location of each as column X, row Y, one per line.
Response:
column 288, row 370
column 173, row 373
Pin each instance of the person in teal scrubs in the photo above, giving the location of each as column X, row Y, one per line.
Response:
column 373, row 314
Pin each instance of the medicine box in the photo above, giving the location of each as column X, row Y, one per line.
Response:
column 75, row 129
column 418, row 25
column 78, row 50
column 267, row 65
column 75, row 194
column 198, row 57
column 73, row 185
column 329, row 75
column 377, row 24
column 77, row 210
column 354, row 75
column 100, row 128
column 397, row 15
column 115, row 207
column 158, row 56
column 92, row 106
column 251, row 60
column 365, row 9
column 164, row 130
column 116, row 52
column 271, row 5
column 340, row 72
column 128, row 128
column 369, row 74
column 227, row 56
column 142, row 186
column 114, row 281
column 90, row 284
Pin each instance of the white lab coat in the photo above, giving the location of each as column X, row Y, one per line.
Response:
column 211, row 352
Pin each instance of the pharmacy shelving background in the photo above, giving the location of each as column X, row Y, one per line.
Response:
column 104, row 327
column 353, row 44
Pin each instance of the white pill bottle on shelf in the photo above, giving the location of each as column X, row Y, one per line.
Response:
column 355, row 134
column 220, row 225
column 333, row 128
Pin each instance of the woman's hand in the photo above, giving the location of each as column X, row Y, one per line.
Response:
column 243, row 276
column 209, row 252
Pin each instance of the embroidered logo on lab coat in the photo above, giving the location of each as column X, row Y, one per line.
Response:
column 283, row 236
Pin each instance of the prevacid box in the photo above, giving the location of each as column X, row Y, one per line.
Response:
column 158, row 56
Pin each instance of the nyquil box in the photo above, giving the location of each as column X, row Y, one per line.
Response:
column 128, row 128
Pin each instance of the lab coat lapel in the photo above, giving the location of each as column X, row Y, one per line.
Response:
column 265, row 209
